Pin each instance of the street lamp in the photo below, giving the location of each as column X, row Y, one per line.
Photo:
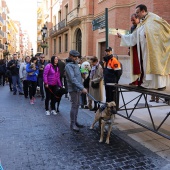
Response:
column 43, row 32
column 6, row 53
column 6, row 45
column 32, row 52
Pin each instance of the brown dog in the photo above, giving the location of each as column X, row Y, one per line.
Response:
column 105, row 114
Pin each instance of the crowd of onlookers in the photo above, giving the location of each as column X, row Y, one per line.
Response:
column 78, row 75
column 25, row 77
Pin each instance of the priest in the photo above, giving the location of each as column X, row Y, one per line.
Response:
column 152, row 38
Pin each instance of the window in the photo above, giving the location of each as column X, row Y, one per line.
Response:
column 66, row 10
column 59, row 42
column 59, row 15
column 54, row 46
column 66, row 42
column 78, row 3
column 54, row 20
column 46, row 4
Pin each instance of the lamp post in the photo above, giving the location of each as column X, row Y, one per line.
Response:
column 6, row 45
column 32, row 52
column 43, row 32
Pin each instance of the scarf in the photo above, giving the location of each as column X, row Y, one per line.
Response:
column 93, row 70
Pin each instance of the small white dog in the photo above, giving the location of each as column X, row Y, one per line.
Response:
column 85, row 68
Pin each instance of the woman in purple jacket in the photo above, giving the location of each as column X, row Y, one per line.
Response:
column 51, row 77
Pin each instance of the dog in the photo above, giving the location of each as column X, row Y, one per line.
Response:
column 85, row 68
column 38, row 93
column 60, row 91
column 33, row 66
column 105, row 115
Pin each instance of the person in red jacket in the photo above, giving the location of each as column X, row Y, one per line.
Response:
column 51, row 78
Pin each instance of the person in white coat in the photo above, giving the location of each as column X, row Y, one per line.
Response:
column 152, row 37
column 23, row 75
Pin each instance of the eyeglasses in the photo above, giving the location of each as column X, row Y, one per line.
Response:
column 42, row 57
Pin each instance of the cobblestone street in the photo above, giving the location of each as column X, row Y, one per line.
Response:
column 30, row 140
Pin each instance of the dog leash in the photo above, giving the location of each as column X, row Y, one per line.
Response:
column 95, row 99
column 53, row 93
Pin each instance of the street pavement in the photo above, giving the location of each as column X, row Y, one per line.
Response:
column 30, row 140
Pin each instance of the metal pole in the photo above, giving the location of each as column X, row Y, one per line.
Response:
column 43, row 42
column 106, row 25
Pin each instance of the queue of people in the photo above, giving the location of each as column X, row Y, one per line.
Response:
column 82, row 75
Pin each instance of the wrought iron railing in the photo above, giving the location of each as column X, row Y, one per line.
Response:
column 1, row 20
column 2, row 46
column 73, row 14
column 1, row 33
column 57, row 27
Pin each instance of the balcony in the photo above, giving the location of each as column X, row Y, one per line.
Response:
column 1, row 21
column 39, row 18
column 39, row 40
column 2, row 46
column 58, row 28
column 1, row 34
column 73, row 17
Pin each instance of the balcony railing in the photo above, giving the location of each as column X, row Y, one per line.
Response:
column 1, row 33
column 2, row 46
column 1, row 20
column 58, row 27
column 73, row 14
column 62, row 24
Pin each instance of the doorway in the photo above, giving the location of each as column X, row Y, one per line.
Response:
column 78, row 40
column 102, row 50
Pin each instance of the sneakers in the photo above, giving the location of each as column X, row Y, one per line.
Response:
column 53, row 112
column 31, row 102
column 47, row 113
column 74, row 128
column 33, row 98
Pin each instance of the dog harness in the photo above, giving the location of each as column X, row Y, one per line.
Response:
column 101, row 109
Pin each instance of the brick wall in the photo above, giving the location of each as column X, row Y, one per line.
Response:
column 119, row 17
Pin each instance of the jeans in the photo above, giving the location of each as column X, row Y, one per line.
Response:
column 25, row 88
column 15, row 82
column 75, row 101
column 2, row 78
column 32, row 88
column 50, row 96
column 41, row 84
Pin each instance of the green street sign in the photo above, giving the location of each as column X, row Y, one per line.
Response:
column 98, row 23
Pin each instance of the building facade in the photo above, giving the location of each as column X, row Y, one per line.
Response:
column 69, row 24
column 11, row 37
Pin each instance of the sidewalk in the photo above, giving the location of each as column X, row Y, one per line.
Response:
column 31, row 140
column 149, row 139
